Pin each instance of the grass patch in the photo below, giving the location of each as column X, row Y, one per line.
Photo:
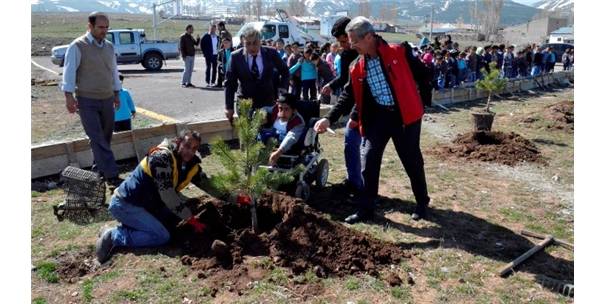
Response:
column 129, row 295
column 401, row 293
column 352, row 283
column 36, row 194
column 87, row 290
column 108, row 276
column 47, row 271
column 278, row 276
column 39, row 301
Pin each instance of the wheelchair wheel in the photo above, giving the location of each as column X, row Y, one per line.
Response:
column 303, row 191
column 322, row 173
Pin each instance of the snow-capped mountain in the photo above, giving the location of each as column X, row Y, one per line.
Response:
column 552, row 5
column 405, row 11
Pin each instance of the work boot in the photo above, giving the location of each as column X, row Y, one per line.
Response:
column 104, row 246
column 360, row 216
column 420, row 212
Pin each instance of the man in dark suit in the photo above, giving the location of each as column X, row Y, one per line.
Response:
column 210, row 48
column 252, row 67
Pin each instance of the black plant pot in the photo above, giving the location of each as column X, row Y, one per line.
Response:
column 482, row 121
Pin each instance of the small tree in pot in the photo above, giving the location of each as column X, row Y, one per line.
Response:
column 244, row 179
column 492, row 84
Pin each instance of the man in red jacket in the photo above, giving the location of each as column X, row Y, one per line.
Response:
column 384, row 86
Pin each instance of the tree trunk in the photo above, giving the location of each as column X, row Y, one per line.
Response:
column 488, row 102
column 253, row 215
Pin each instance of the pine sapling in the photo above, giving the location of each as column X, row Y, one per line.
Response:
column 242, row 175
column 491, row 83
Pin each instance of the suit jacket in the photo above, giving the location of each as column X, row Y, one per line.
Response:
column 262, row 91
column 206, row 44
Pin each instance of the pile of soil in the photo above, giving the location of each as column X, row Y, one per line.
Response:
column 291, row 233
column 73, row 265
column 504, row 148
column 560, row 116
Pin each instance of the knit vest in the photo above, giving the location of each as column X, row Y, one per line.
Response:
column 94, row 78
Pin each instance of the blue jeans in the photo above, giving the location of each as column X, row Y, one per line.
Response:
column 536, row 71
column 138, row 227
column 187, row 71
column 352, row 144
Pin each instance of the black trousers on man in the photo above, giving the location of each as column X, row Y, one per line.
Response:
column 211, row 62
column 385, row 123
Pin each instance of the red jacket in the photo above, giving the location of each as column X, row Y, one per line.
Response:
column 398, row 74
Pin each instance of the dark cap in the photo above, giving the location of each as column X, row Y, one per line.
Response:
column 297, row 44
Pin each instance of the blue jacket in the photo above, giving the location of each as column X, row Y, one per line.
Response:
column 308, row 70
column 127, row 106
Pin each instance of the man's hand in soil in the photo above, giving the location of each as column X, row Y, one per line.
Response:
column 196, row 225
column 117, row 101
column 71, row 103
column 321, row 125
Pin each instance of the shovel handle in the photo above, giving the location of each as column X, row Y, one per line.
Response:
column 542, row 236
column 509, row 267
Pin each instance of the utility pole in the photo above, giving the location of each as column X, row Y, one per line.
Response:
column 475, row 17
column 431, row 24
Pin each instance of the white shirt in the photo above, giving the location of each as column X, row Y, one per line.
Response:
column 280, row 127
column 249, row 60
column 71, row 63
column 215, row 42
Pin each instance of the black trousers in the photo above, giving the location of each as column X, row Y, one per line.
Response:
column 211, row 62
column 220, row 77
column 382, row 126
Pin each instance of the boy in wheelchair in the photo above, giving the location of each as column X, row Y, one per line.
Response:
column 291, row 122
column 284, row 124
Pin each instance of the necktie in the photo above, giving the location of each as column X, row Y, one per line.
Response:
column 254, row 69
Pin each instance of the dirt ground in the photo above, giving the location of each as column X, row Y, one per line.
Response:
column 477, row 211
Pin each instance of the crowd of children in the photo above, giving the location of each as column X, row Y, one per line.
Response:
column 453, row 67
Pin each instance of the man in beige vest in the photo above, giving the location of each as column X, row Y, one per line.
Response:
column 90, row 71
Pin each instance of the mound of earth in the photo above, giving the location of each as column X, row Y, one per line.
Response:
column 73, row 265
column 504, row 148
column 290, row 233
column 559, row 116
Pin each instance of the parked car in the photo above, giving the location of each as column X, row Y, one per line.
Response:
column 558, row 48
column 131, row 47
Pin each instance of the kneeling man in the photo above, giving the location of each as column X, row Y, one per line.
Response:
column 147, row 204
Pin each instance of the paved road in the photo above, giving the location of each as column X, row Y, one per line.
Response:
column 161, row 92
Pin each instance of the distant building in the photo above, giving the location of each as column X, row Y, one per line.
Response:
column 562, row 35
column 535, row 31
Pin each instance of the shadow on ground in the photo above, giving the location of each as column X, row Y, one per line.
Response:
column 454, row 229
